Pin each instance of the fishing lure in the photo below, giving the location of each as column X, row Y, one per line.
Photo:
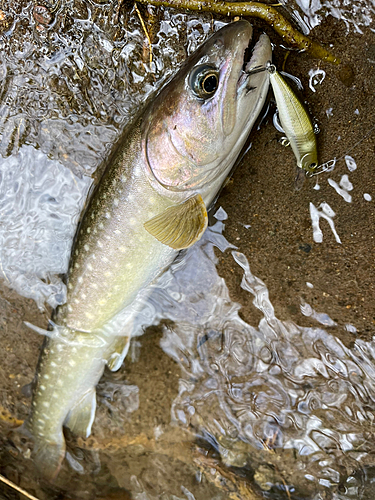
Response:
column 295, row 122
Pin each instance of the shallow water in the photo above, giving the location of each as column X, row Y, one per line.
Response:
column 256, row 376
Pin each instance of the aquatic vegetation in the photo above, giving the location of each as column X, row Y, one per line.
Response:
column 267, row 13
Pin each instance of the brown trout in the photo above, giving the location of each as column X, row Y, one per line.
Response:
column 151, row 202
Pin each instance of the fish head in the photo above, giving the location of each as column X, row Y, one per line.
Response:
column 199, row 122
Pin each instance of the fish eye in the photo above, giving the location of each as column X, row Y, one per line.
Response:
column 204, row 81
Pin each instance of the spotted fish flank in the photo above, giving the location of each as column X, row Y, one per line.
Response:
column 152, row 201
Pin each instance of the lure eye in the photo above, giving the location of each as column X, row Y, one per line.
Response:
column 204, row 81
column 312, row 166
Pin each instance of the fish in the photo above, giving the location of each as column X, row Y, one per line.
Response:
column 295, row 122
column 159, row 181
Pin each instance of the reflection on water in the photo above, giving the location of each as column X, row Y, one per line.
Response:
column 40, row 202
column 275, row 384
column 355, row 14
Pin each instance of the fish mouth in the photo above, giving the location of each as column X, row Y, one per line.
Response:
column 256, row 56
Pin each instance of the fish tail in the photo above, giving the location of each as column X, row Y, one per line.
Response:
column 48, row 457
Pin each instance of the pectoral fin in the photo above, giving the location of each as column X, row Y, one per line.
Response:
column 120, row 350
column 81, row 416
column 180, row 226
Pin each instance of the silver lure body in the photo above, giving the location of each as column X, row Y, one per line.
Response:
column 181, row 146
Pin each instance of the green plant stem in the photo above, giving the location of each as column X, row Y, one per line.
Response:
column 269, row 14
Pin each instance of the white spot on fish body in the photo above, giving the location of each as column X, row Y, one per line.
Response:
column 42, row 387
column 84, row 296
column 117, row 231
column 101, row 225
column 116, row 202
column 107, row 215
column 70, row 286
column 71, row 362
column 87, row 248
column 104, row 259
column 89, row 267
column 41, row 421
column 46, row 376
column 94, row 285
column 88, row 315
column 123, row 178
column 76, row 265
column 367, row 197
column 55, row 395
column 100, row 244
column 89, row 230
column 80, row 279
column 45, row 404
column 70, row 308
column 53, row 364
column 76, row 301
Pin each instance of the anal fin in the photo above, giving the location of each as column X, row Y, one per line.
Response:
column 180, row 226
column 81, row 417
